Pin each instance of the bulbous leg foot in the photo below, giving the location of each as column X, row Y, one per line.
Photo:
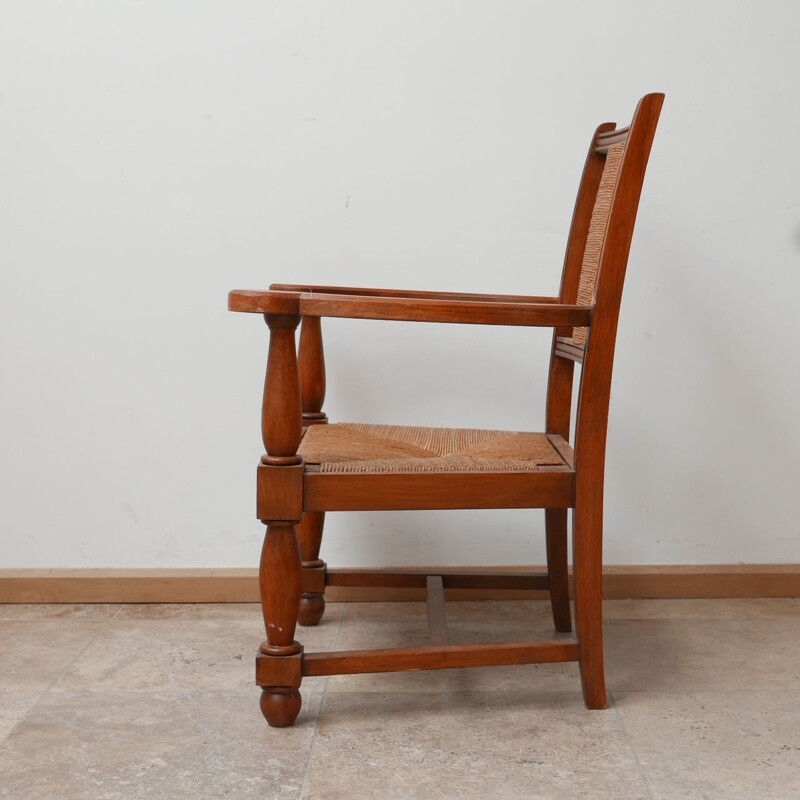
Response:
column 280, row 705
column 312, row 607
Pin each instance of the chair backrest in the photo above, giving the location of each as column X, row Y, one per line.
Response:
column 594, row 273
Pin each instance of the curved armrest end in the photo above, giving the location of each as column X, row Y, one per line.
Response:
column 269, row 302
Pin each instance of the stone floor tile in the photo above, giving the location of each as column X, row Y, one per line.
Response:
column 716, row 745
column 36, row 651
column 88, row 611
column 165, row 654
column 492, row 621
column 158, row 747
column 13, row 707
column 704, row 608
column 158, row 701
column 530, row 745
column 544, row 677
column 675, row 655
column 191, row 611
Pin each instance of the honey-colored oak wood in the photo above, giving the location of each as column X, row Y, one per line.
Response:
column 405, row 491
column 557, row 567
column 312, row 600
column 272, row 302
column 279, row 492
column 279, row 586
column 449, row 308
column 281, row 415
column 311, row 371
column 482, row 312
column 584, row 319
column 280, row 507
column 440, row 657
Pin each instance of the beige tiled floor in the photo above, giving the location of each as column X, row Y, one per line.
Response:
column 158, row 702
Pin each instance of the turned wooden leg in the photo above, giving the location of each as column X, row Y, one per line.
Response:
column 280, row 503
column 312, row 602
column 587, row 557
column 311, row 370
column 556, row 531
column 279, row 657
column 280, row 706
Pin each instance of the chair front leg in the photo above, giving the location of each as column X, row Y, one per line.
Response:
column 280, row 502
column 279, row 584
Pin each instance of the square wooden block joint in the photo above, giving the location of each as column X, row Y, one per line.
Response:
column 280, row 493
column 279, row 670
column 312, row 580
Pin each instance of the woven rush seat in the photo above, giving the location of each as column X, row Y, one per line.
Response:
column 352, row 447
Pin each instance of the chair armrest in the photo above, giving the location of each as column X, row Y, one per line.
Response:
column 482, row 312
column 476, row 312
column 351, row 290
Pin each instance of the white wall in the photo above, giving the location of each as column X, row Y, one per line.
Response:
column 154, row 155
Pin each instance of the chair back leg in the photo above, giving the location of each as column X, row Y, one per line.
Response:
column 555, row 520
column 587, row 571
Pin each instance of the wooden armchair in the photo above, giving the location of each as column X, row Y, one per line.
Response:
column 311, row 467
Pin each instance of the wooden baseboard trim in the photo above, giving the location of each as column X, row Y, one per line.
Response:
column 241, row 585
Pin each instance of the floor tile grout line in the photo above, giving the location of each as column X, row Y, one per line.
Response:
column 55, row 680
column 324, row 696
column 635, row 754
